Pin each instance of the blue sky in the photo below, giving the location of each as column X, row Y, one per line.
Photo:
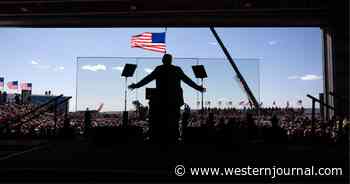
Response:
column 282, row 64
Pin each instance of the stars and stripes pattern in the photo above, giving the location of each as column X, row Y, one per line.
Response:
column 248, row 103
column 12, row 85
column 245, row 103
column 99, row 108
column 26, row 86
column 149, row 41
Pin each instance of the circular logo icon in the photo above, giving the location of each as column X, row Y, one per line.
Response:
column 180, row 170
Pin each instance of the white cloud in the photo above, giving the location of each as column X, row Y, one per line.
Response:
column 43, row 67
column 272, row 42
column 119, row 68
column 148, row 70
column 33, row 62
column 213, row 43
column 293, row 77
column 94, row 68
column 58, row 68
column 311, row 77
column 306, row 77
column 39, row 66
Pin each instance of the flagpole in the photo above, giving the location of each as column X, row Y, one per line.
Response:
column 165, row 31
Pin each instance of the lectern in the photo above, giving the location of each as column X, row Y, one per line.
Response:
column 200, row 73
column 128, row 71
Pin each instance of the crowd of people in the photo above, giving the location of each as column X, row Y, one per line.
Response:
column 293, row 124
column 229, row 123
column 16, row 119
column 77, row 120
column 4, row 98
column 12, row 110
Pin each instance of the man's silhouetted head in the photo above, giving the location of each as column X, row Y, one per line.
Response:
column 167, row 59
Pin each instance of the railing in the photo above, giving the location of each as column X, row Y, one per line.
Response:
column 314, row 100
column 51, row 105
column 19, row 117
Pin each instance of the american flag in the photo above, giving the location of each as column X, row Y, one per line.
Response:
column 99, row 108
column 1, row 82
column 241, row 102
column 248, row 103
column 242, row 87
column 149, row 41
column 26, row 86
column 12, row 85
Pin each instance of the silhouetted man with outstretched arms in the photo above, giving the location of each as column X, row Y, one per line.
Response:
column 168, row 99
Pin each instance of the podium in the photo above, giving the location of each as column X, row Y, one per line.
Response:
column 152, row 97
column 128, row 71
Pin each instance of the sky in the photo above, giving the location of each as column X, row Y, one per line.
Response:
column 279, row 64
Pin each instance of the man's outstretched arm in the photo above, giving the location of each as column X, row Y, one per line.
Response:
column 190, row 82
column 144, row 81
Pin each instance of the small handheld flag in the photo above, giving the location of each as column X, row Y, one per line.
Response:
column 99, row 108
column 12, row 85
column 1, row 82
column 149, row 41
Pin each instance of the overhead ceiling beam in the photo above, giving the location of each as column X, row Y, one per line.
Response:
column 58, row 1
column 297, row 18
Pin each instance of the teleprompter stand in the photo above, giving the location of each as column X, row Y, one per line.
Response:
column 128, row 71
column 200, row 73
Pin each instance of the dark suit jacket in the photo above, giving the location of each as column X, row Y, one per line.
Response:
column 168, row 84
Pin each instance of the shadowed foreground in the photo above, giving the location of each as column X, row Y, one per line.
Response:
column 83, row 160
